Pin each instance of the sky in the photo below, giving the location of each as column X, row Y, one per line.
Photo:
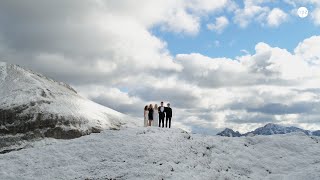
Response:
column 220, row 63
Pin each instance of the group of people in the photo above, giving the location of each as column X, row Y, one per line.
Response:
column 154, row 115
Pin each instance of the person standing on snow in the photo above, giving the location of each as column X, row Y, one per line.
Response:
column 146, row 112
column 162, row 114
column 168, row 112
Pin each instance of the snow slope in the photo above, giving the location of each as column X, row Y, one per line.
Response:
column 154, row 153
column 32, row 105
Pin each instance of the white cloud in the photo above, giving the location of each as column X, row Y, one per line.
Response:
column 244, row 51
column 221, row 23
column 181, row 21
column 102, row 42
column 276, row 17
column 251, row 11
column 176, row 16
column 268, row 86
column 316, row 16
column 254, row 11
column 207, row 6
column 308, row 50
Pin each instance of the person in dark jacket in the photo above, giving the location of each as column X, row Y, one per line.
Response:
column 168, row 111
column 150, row 114
column 161, row 111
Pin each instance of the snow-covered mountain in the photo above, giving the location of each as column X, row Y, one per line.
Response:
column 271, row 128
column 32, row 106
column 268, row 129
column 156, row 153
column 316, row 133
column 229, row 133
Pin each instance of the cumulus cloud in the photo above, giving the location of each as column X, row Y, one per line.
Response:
column 276, row 17
column 252, row 11
column 316, row 16
column 220, row 24
column 255, row 89
column 258, row 12
column 84, row 38
column 309, row 50
column 100, row 38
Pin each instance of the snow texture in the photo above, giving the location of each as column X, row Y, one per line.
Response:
column 156, row 153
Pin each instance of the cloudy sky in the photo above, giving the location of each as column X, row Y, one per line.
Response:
column 220, row 63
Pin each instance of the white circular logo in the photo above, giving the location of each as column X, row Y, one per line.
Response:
column 302, row 12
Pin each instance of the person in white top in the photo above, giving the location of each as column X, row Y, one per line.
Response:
column 155, row 116
column 145, row 123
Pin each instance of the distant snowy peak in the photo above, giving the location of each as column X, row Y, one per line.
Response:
column 268, row 129
column 229, row 133
column 316, row 133
column 36, row 106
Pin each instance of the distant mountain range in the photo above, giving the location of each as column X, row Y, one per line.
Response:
column 268, row 129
